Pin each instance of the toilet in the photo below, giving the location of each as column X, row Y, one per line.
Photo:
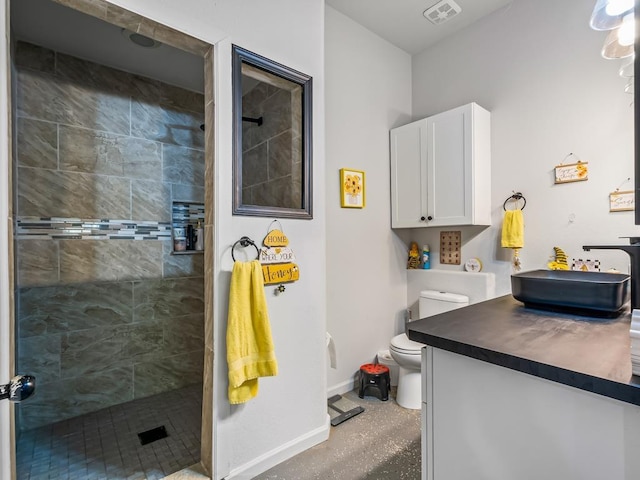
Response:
column 407, row 353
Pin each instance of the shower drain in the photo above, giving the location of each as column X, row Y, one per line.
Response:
column 152, row 435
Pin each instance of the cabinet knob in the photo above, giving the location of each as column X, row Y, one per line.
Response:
column 429, row 218
column 422, row 219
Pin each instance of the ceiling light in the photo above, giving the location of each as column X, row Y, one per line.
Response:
column 613, row 49
column 627, row 31
column 608, row 14
column 140, row 40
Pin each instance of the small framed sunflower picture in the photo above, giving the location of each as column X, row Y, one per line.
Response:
column 351, row 188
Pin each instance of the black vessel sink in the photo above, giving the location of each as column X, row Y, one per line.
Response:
column 583, row 292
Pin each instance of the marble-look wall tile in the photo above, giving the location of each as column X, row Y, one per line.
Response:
column 181, row 265
column 151, row 200
column 183, row 334
column 280, row 155
column 37, row 262
column 92, row 75
column 34, row 57
column 167, row 124
column 187, row 193
column 110, row 260
column 37, row 144
column 206, row 441
column 67, row 308
column 168, row 373
column 282, row 192
column 46, row 193
column 155, row 92
column 167, row 298
column 56, row 401
column 183, row 165
column 40, row 357
column 56, row 99
column 254, row 165
column 172, row 37
column 86, row 352
column 209, row 286
column 90, row 151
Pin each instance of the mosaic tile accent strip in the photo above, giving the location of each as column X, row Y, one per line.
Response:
column 184, row 213
column 58, row 228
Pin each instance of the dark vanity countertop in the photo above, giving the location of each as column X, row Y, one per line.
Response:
column 591, row 354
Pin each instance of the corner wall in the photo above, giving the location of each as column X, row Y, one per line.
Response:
column 536, row 66
column 368, row 93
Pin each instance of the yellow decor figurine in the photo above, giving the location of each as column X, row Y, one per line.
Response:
column 560, row 260
column 414, row 257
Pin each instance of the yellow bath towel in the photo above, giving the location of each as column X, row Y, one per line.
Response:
column 513, row 229
column 250, row 351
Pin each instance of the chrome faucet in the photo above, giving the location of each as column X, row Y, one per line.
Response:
column 634, row 253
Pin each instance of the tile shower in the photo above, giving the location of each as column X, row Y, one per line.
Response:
column 103, row 318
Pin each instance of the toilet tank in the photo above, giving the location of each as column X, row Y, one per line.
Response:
column 433, row 302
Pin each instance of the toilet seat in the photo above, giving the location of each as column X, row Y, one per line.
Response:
column 402, row 344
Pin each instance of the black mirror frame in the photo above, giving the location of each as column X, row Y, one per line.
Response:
column 241, row 56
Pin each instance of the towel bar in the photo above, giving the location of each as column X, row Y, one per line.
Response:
column 244, row 242
column 515, row 197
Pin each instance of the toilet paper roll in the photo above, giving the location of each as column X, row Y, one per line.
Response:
column 331, row 346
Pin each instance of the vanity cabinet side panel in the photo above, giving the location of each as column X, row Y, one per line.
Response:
column 408, row 175
column 487, row 422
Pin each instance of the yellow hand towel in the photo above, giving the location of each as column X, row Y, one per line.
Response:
column 513, row 229
column 250, row 351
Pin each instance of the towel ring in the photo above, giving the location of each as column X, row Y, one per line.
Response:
column 515, row 197
column 244, row 242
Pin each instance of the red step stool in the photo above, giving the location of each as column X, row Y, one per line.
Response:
column 377, row 376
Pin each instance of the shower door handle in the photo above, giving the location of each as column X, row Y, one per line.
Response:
column 19, row 388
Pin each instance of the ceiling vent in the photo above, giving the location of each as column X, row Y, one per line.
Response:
column 442, row 11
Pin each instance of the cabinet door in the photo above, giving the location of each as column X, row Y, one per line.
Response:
column 408, row 175
column 449, row 160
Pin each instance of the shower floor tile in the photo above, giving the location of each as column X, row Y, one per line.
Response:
column 105, row 445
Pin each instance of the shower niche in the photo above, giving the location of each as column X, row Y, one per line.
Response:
column 187, row 228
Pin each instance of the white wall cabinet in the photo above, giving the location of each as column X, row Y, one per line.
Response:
column 441, row 170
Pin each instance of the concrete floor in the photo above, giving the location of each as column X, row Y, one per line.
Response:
column 382, row 443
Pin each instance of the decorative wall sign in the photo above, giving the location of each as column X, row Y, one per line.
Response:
column 276, row 259
column 572, row 172
column 351, row 188
column 276, row 255
column 622, row 201
column 280, row 273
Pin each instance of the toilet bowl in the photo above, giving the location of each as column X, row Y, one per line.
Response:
column 408, row 354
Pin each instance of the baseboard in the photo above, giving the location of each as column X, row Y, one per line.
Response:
column 341, row 388
column 278, row 455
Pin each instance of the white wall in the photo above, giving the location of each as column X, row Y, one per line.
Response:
column 289, row 413
column 536, row 66
column 368, row 92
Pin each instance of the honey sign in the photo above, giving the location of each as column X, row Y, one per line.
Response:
column 277, row 259
column 280, row 273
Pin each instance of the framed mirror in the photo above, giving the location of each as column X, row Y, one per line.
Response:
column 272, row 138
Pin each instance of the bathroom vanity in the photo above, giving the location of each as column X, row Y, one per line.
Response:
column 516, row 393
